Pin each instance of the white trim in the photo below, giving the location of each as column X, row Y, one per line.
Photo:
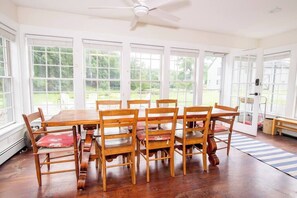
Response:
column 102, row 45
column 7, row 32
column 152, row 49
column 199, row 78
column 184, row 52
column 45, row 40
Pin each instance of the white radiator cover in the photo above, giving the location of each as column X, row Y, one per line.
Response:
column 291, row 133
column 11, row 141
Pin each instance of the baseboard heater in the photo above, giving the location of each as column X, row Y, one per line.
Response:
column 11, row 150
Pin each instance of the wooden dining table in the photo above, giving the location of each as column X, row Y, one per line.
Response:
column 91, row 117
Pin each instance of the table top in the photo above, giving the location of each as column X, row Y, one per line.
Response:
column 83, row 116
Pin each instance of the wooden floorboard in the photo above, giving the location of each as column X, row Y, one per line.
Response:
column 238, row 175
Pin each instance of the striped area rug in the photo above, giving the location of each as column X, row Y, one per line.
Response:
column 275, row 157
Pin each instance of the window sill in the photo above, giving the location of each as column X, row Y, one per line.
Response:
column 11, row 128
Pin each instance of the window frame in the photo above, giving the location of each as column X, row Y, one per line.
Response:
column 221, row 81
column 7, row 66
column 108, row 47
column 274, row 58
column 51, row 42
column 184, row 53
column 140, row 51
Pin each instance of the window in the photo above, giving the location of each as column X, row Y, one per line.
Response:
column 182, row 76
column 51, row 62
column 275, row 82
column 146, row 63
column 102, row 69
column 212, row 72
column 6, row 91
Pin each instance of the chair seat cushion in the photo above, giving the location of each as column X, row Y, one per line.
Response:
column 141, row 136
column 220, row 128
column 141, row 126
column 60, row 140
column 113, row 143
column 196, row 134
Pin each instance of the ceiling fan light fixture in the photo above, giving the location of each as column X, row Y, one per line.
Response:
column 141, row 10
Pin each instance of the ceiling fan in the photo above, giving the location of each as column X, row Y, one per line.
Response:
column 142, row 8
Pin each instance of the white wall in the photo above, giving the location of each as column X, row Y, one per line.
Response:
column 8, row 9
column 287, row 38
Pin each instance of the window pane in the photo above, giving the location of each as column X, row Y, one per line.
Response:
column 39, row 71
column 91, row 73
column 66, row 85
column 66, row 59
column 103, row 86
column 115, row 86
column 53, row 72
column 53, row 85
column 1, row 54
column 114, row 74
column 91, row 85
column 103, row 61
column 103, row 74
column 38, row 57
column 39, row 85
column 67, row 72
column 53, row 59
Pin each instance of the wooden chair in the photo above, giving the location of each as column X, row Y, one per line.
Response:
column 169, row 103
column 166, row 102
column 140, row 104
column 220, row 128
column 61, row 142
column 108, row 104
column 160, row 138
column 104, row 105
column 115, row 141
column 193, row 138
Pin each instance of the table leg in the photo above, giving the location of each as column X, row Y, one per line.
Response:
column 86, row 151
column 211, row 150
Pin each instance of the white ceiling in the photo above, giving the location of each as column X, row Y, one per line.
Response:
column 249, row 18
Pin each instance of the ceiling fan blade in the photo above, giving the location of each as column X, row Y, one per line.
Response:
column 108, row 7
column 156, row 3
column 163, row 15
column 134, row 23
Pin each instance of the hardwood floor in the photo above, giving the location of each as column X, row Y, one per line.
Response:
column 238, row 175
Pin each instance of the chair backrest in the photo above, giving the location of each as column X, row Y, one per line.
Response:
column 166, row 102
column 33, row 133
column 108, row 104
column 226, row 119
column 119, row 120
column 138, row 104
column 193, row 115
column 165, row 118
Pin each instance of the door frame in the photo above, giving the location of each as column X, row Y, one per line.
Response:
column 245, row 128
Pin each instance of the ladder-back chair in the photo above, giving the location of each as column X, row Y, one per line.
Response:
column 223, row 124
column 59, row 142
column 116, row 140
column 160, row 138
column 193, row 138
